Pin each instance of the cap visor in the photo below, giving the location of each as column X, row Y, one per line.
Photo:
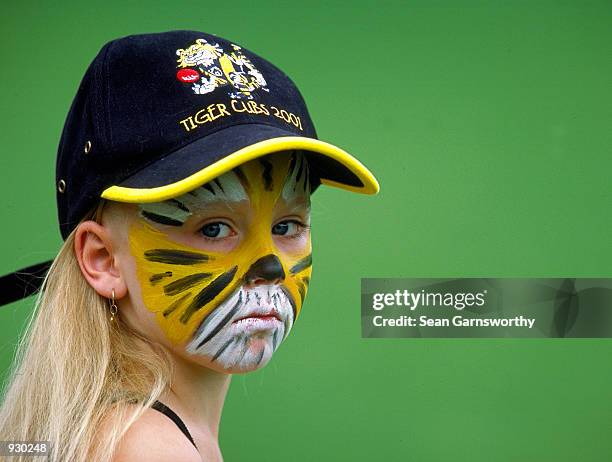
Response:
column 210, row 156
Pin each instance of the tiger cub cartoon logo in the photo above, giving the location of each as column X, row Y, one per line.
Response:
column 206, row 67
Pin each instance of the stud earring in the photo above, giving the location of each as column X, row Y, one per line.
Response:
column 113, row 306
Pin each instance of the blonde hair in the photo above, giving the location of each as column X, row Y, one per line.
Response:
column 75, row 371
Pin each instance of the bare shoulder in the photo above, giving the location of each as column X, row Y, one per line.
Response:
column 155, row 438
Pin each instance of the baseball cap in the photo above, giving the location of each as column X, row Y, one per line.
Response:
column 159, row 114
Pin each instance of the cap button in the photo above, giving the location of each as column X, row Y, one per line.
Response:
column 61, row 186
column 87, row 147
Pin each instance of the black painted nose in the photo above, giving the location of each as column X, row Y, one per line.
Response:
column 268, row 268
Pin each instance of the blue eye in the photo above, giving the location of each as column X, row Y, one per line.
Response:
column 287, row 228
column 216, row 230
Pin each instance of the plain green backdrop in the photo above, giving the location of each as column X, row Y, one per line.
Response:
column 488, row 125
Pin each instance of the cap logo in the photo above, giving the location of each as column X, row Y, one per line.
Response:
column 206, row 67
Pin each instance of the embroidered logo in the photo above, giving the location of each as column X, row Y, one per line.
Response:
column 206, row 67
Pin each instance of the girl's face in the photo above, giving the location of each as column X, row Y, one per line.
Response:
column 219, row 274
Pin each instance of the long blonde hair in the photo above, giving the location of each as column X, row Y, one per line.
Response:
column 75, row 370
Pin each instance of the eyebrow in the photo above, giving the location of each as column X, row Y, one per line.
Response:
column 176, row 212
column 207, row 205
column 202, row 202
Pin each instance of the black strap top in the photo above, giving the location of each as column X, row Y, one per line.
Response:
column 161, row 407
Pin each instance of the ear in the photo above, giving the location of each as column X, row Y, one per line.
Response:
column 94, row 252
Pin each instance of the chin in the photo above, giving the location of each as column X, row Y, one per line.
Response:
column 237, row 355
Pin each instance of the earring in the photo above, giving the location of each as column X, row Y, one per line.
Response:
column 113, row 306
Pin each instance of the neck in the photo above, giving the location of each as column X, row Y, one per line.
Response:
column 198, row 393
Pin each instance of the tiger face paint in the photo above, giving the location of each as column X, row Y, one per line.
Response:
column 232, row 303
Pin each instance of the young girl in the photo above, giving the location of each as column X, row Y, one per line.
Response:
column 184, row 177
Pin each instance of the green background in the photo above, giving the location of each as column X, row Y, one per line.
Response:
column 488, row 127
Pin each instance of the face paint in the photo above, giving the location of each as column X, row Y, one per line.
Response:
column 200, row 298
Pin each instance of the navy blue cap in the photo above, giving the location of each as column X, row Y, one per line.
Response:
column 157, row 115
column 154, row 111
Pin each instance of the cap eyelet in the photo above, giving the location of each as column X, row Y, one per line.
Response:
column 61, row 186
column 87, row 147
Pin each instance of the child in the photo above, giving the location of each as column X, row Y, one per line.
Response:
column 184, row 177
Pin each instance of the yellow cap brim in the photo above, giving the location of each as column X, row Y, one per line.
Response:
column 369, row 184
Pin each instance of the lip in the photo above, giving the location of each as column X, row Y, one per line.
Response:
column 267, row 315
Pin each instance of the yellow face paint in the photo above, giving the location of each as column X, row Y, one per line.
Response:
column 216, row 303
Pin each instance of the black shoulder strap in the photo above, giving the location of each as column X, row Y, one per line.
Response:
column 22, row 283
column 161, row 407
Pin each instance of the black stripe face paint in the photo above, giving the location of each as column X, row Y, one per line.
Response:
column 175, row 304
column 209, row 188
column 155, row 278
column 218, row 183
column 275, row 339
column 175, row 257
column 223, row 348
column 184, row 283
column 226, row 318
column 161, row 219
column 260, row 356
column 292, row 162
column 179, row 204
column 243, row 179
column 302, row 290
column 209, row 292
column 288, row 322
column 301, row 265
column 267, row 174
